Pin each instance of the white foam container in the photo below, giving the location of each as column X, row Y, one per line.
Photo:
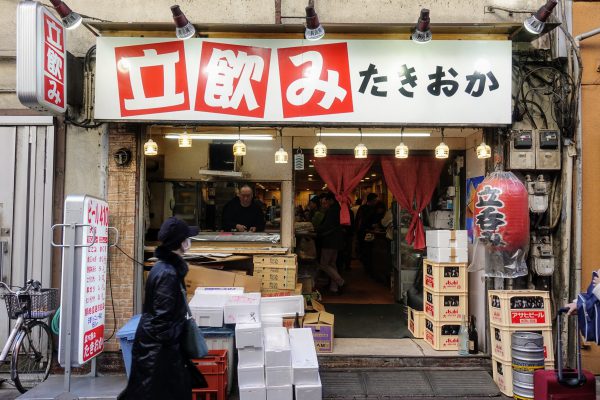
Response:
column 219, row 290
column 282, row 306
column 258, row 392
column 207, row 309
column 309, row 392
column 278, row 376
column 248, row 335
column 242, row 308
column 446, row 238
column 277, row 347
column 251, row 356
column 447, row 254
column 305, row 364
column 251, row 376
column 280, row 392
column 271, row 322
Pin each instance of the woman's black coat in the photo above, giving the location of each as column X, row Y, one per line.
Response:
column 159, row 370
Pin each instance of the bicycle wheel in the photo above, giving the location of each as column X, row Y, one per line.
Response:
column 32, row 355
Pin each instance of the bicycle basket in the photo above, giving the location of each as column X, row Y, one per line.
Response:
column 33, row 305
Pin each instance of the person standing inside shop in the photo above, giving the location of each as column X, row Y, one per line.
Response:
column 331, row 238
column 243, row 214
column 159, row 368
column 364, row 218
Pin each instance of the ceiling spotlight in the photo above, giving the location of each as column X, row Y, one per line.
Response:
column 150, row 148
column 185, row 140
column 70, row 19
column 484, row 151
column 422, row 32
column 183, row 28
column 314, row 29
column 536, row 23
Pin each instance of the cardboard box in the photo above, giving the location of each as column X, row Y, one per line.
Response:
column 312, row 391
column 251, row 376
column 206, row 277
column 248, row 335
column 277, row 347
column 321, row 323
column 305, row 364
column 290, row 259
column 253, row 392
column 447, row 254
column 277, row 276
column 446, row 238
column 243, row 308
column 280, row 392
column 251, row 356
column 282, row 306
column 297, row 291
column 278, row 376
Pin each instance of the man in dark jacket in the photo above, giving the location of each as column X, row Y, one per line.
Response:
column 159, row 369
column 243, row 214
column 331, row 238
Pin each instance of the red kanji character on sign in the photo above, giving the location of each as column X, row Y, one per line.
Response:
column 315, row 80
column 233, row 79
column 152, row 78
column 53, row 33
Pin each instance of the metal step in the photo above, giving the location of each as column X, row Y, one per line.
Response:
column 335, row 361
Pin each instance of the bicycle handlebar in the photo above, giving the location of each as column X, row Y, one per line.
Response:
column 31, row 284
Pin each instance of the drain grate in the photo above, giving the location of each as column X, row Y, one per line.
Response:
column 342, row 384
column 462, row 383
column 397, row 383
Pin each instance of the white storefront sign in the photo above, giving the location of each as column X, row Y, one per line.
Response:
column 41, row 59
column 290, row 81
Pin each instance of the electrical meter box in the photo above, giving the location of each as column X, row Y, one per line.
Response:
column 547, row 155
column 522, row 149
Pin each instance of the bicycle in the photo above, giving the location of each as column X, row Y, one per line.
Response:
column 30, row 343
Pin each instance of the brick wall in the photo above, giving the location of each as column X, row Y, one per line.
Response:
column 122, row 201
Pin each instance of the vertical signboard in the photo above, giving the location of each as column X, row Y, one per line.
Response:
column 88, row 270
column 41, row 59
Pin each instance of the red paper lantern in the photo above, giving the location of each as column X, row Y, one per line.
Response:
column 501, row 213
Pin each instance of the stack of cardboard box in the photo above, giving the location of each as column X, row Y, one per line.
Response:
column 445, row 288
column 517, row 311
column 277, row 273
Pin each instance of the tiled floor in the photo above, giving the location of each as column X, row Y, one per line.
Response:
column 360, row 289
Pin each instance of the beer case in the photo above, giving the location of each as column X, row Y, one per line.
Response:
column 501, row 339
column 445, row 277
column 415, row 322
column 441, row 335
column 447, row 307
column 519, row 308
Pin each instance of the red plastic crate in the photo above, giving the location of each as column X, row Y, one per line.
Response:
column 214, row 368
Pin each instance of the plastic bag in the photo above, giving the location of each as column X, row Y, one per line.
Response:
column 307, row 249
column 501, row 226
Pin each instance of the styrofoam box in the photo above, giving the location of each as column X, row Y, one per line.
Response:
column 248, row 335
column 219, row 290
column 309, row 392
column 305, row 364
column 271, row 322
column 280, row 392
column 278, row 376
column 446, row 238
column 253, row 392
column 277, row 347
column 282, row 306
column 251, row 356
column 207, row 309
column 447, row 254
column 251, row 375
column 242, row 308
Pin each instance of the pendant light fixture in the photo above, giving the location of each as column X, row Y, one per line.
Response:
column 361, row 151
column 184, row 139
column 281, row 156
column 239, row 147
column 483, row 150
column 402, row 149
column 320, row 150
column 150, row 147
column 442, row 150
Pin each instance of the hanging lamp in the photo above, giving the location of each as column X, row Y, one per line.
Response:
column 361, row 151
column 150, row 147
column 185, row 140
column 320, row 150
column 402, row 149
column 281, row 156
column 442, row 150
column 239, row 147
column 483, row 150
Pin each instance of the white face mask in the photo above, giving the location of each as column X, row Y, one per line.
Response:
column 186, row 245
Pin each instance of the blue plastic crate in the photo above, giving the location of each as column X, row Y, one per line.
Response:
column 222, row 339
column 126, row 335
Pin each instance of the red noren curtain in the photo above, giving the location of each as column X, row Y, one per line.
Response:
column 412, row 182
column 342, row 174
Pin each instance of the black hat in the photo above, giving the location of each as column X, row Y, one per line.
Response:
column 174, row 231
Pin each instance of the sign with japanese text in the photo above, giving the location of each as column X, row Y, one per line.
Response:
column 41, row 59
column 286, row 81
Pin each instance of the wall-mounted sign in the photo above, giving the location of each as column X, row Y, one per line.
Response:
column 41, row 59
column 285, row 81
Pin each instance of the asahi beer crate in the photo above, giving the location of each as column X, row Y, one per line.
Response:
column 290, row 259
column 415, row 322
column 502, row 341
column 447, row 307
column 519, row 308
column 503, row 377
column 445, row 277
column 441, row 335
